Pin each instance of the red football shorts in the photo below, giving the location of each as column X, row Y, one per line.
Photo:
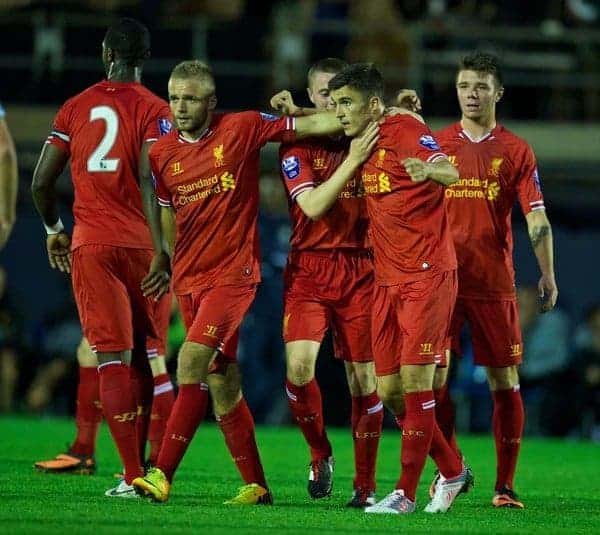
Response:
column 113, row 312
column 212, row 316
column 410, row 322
column 330, row 289
column 495, row 331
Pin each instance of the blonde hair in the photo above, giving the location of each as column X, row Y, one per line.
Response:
column 194, row 68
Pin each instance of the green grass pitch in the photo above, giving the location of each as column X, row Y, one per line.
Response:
column 558, row 481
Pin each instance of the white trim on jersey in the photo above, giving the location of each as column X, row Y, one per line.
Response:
column 300, row 188
column 436, row 156
column 60, row 135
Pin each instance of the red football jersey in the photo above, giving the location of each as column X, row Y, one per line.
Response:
column 305, row 165
column 408, row 225
column 212, row 184
column 494, row 172
column 103, row 130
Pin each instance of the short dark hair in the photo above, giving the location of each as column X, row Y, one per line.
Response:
column 482, row 62
column 130, row 39
column 328, row 65
column 363, row 77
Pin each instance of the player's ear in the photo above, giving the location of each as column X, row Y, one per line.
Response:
column 499, row 93
column 212, row 102
column 374, row 104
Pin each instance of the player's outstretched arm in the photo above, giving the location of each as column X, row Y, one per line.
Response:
column 8, row 183
column 317, row 201
column 284, row 103
column 324, row 123
column 49, row 167
column 540, row 234
column 441, row 170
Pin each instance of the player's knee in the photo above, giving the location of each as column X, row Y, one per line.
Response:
column 192, row 363
column 361, row 378
column 300, row 370
column 158, row 365
column 440, row 378
column 85, row 356
column 226, row 390
column 503, row 378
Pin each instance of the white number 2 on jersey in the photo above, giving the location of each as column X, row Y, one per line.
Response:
column 97, row 161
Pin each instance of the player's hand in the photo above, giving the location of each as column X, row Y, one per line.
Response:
column 548, row 291
column 362, row 146
column 408, row 99
column 284, row 103
column 59, row 251
column 416, row 169
column 156, row 282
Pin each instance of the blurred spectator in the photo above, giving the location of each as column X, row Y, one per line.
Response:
column 57, row 342
column 380, row 37
column 261, row 351
column 10, row 340
column 48, row 49
column 545, row 371
column 587, row 362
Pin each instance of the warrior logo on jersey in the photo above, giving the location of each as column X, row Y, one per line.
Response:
column 291, row 167
column 380, row 158
column 164, row 126
column 219, row 156
column 176, row 169
column 495, row 166
column 318, row 164
column 536, row 180
column 429, row 142
column 269, row 117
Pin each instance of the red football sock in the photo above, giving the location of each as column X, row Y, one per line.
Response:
column 417, row 432
column 88, row 413
column 306, row 406
column 142, row 387
column 238, row 430
column 120, row 411
column 367, row 418
column 444, row 416
column 508, row 421
column 446, row 459
column 162, row 403
column 188, row 411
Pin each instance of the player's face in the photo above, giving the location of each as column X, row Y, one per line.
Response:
column 191, row 102
column 353, row 110
column 318, row 90
column 477, row 94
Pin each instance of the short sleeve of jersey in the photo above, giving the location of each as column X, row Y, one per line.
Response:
column 296, row 170
column 529, row 187
column 424, row 145
column 162, row 193
column 266, row 127
column 159, row 123
column 60, row 134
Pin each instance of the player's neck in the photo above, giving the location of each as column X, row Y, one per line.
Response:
column 118, row 72
column 477, row 129
column 195, row 135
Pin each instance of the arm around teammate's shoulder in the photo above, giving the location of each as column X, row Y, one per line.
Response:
column 317, row 201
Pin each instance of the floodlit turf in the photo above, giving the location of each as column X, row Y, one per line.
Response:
column 558, row 481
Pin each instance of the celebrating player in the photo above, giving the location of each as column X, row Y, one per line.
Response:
column 496, row 169
column 329, row 284
column 415, row 278
column 105, row 131
column 8, row 181
column 207, row 180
